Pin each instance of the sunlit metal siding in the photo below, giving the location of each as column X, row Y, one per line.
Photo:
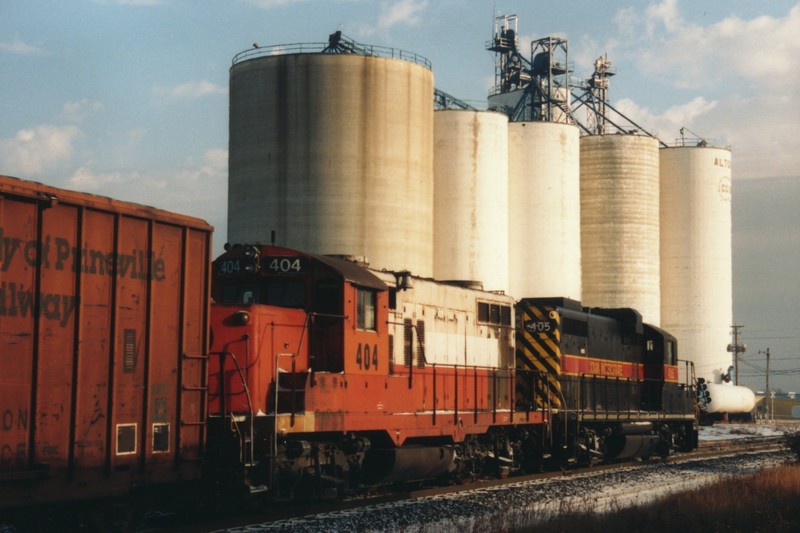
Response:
column 471, row 197
column 103, row 319
column 544, row 210
column 696, row 263
column 334, row 152
column 620, row 223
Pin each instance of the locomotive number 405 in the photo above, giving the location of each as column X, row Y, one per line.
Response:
column 539, row 326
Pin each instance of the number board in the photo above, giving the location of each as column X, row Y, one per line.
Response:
column 233, row 267
column 540, row 326
column 284, row 265
column 225, row 268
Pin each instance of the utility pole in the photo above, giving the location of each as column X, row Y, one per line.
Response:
column 736, row 349
column 769, row 402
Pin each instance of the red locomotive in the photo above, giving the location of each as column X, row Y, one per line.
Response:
column 385, row 377
column 381, row 376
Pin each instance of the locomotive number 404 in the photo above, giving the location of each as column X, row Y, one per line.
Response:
column 366, row 357
column 283, row 265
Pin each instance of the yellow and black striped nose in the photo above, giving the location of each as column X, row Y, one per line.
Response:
column 539, row 351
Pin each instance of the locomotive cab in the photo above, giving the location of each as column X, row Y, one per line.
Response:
column 288, row 313
column 287, row 328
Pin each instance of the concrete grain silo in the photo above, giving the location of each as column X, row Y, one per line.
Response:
column 696, row 260
column 620, row 223
column 334, row 153
column 471, row 197
column 544, row 210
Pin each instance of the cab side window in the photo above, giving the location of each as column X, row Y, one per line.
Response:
column 366, row 309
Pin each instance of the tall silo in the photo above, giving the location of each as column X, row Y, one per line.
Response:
column 334, row 153
column 696, row 261
column 544, row 210
column 620, row 223
column 471, row 197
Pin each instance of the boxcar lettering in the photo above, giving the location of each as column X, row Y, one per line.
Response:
column 138, row 264
column 36, row 253
column 99, row 263
column 63, row 252
column 9, row 457
column 16, row 301
column 124, row 263
column 158, row 269
column 21, row 300
column 8, row 248
column 8, row 422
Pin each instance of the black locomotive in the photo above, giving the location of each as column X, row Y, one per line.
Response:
column 610, row 381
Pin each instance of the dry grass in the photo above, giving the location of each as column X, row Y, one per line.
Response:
column 768, row 501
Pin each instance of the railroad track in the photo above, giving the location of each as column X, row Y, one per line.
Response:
column 741, row 445
column 286, row 514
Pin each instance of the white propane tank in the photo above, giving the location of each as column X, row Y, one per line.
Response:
column 727, row 398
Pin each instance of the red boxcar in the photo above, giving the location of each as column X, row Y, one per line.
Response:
column 103, row 329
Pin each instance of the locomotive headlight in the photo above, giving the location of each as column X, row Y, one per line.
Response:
column 241, row 318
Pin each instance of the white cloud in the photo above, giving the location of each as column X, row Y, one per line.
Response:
column 745, row 69
column 34, row 150
column 396, row 13
column 84, row 179
column 195, row 188
column 20, row 47
column 666, row 13
column 763, row 134
column 406, row 12
column 217, row 158
column 190, row 91
column 80, row 110
column 761, row 52
column 669, row 121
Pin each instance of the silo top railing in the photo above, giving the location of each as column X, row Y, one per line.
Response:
column 337, row 44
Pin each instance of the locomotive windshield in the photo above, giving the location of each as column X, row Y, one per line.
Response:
column 283, row 293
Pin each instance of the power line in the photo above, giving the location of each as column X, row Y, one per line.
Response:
column 770, row 338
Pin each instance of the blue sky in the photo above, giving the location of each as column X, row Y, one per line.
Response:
column 129, row 98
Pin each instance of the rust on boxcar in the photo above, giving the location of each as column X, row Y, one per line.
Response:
column 103, row 329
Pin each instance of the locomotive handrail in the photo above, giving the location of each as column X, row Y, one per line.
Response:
column 325, row 315
column 505, row 374
column 223, row 396
column 274, row 454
